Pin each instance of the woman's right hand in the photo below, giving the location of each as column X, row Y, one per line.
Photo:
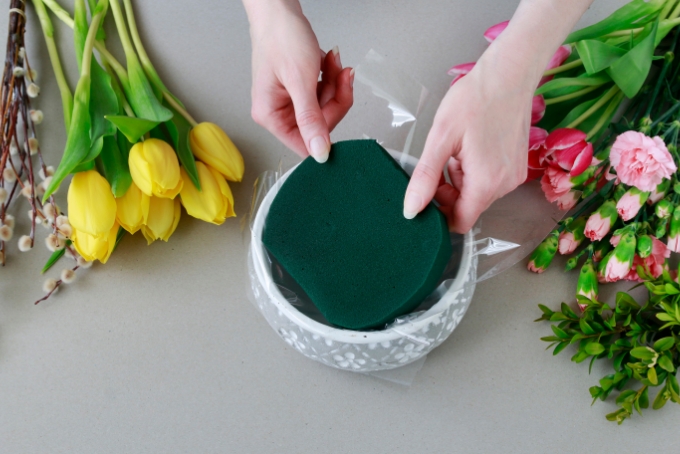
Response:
column 287, row 97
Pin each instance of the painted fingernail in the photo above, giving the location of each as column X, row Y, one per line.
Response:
column 351, row 78
column 412, row 204
column 319, row 148
column 336, row 54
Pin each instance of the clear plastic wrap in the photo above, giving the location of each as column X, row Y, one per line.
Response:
column 391, row 104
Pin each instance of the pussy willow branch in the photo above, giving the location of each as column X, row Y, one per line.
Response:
column 15, row 107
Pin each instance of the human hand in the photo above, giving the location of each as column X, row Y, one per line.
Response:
column 481, row 133
column 287, row 97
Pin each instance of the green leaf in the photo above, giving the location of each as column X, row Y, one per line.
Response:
column 663, row 344
column 671, row 289
column 78, row 141
column 558, row 317
column 132, row 128
column 140, row 94
column 119, row 237
column 545, row 310
column 666, row 364
column 54, row 258
column 652, row 377
column 103, row 102
column 623, row 299
column 561, row 346
column 644, row 353
column 630, row 71
column 594, row 348
column 598, row 56
column 560, row 332
column 585, row 327
column 179, row 129
column 579, row 357
column 115, row 167
column 660, row 400
column 626, row 396
column 644, row 398
column 80, row 28
column 566, row 310
column 568, row 82
column 634, row 13
column 664, row 317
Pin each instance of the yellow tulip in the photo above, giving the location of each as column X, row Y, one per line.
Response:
column 95, row 248
column 214, row 203
column 163, row 219
column 133, row 209
column 155, row 169
column 212, row 145
column 91, row 205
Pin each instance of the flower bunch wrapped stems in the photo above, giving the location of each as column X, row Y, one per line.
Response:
column 604, row 144
column 134, row 153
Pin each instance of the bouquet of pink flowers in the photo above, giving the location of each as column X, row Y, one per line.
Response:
column 604, row 143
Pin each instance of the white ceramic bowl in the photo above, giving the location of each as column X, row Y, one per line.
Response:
column 403, row 342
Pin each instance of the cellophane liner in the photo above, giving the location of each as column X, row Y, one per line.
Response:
column 388, row 104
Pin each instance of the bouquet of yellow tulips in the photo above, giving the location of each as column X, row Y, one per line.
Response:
column 136, row 155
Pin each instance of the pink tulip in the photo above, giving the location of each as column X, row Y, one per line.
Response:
column 459, row 71
column 492, row 32
column 537, row 109
column 568, row 149
column 641, row 161
column 568, row 243
column 536, row 140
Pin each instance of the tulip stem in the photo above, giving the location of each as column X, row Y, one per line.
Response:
column 64, row 16
column 48, row 33
column 563, row 68
column 91, row 38
column 601, row 102
column 609, row 111
column 666, row 10
column 181, row 110
column 573, row 95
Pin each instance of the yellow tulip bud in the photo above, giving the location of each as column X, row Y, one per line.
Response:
column 91, row 205
column 95, row 248
column 212, row 145
column 163, row 219
column 133, row 209
column 155, row 169
column 214, row 202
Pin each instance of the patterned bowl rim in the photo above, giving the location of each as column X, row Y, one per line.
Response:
column 338, row 334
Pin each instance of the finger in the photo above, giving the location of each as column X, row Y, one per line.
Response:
column 309, row 120
column 467, row 210
column 446, row 195
column 337, row 107
column 331, row 69
column 439, row 147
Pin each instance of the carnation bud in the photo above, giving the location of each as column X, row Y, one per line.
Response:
column 9, row 221
column 674, row 231
column 68, row 276
column 18, row 71
column 50, row 286
column 571, row 263
column 644, row 246
column 25, row 243
column 6, row 233
column 661, row 228
column 46, row 172
column 619, row 191
column 32, row 90
column 9, row 175
column 543, row 255
column 587, row 283
column 33, row 146
column 37, row 116
column 3, row 195
column 83, row 263
column 663, row 208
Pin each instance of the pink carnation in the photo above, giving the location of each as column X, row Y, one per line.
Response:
column 597, row 227
column 567, row 243
column 641, row 161
column 654, row 264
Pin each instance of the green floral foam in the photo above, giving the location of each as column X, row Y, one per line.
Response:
column 338, row 229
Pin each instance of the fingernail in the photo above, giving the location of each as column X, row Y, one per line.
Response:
column 319, row 148
column 412, row 204
column 336, row 54
column 351, row 78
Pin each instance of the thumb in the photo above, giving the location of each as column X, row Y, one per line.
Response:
column 310, row 121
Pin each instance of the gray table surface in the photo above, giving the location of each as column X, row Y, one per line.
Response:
column 160, row 350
